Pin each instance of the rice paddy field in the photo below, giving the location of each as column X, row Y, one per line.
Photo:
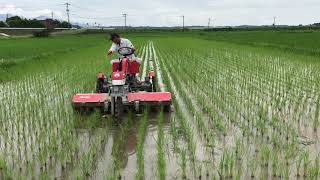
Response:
column 246, row 106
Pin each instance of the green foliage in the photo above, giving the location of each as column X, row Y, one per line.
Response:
column 241, row 109
column 43, row 33
column 3, row 24
column 303, row 41
column 19, row 22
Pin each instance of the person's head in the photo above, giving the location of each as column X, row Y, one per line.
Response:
column 114, row 37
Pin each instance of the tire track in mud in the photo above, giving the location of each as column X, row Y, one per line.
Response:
column 150, row 143
column 174, row 146
column 143, row 54
column 151, row 57
column 132, row 164
column 104, row 160
column 158, row 69
column 145, row 63
column 152, row 155
column 200, row 150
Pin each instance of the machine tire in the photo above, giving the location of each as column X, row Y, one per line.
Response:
column 99, row 86
column 154, row 87
column 167, row 108
column 118, row 108
column 112, row 108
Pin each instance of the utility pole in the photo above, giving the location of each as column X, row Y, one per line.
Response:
column 68, row 12
column 52, row 15
column 209, row 23
column 7, row 17
column 125, row 20
column 274, row 21
column 182, row 22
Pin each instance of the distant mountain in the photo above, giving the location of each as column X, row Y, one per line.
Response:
column 42, row 18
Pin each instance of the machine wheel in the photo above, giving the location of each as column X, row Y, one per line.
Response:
column 99, row 86
column 147, row 79
column 149, row 83
column 118, row 108
column 167, row 108
column 112, row 108
column 154, row 88
column 102, row 85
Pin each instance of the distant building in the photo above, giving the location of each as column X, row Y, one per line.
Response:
column 50, row 23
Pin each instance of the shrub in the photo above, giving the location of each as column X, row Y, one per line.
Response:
column 2, row 24
column 43, row 33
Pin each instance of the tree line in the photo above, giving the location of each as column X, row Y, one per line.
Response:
column 19, row 22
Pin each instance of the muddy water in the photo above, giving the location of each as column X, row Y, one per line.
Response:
column 127, row 149
column 110, row 147
column 145, row 62
column 201, row 153
column 104, row 161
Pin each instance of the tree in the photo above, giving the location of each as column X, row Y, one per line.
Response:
column 19, row 22
column 64, row 24
column 3, row 24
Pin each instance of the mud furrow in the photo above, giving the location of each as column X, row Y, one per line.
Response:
column 200, row 150
column 158, row 70
column 142, row 57
column 145, row 63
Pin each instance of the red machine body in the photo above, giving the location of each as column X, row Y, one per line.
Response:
column 128, row 67
column 150, row 97
column 123, row 91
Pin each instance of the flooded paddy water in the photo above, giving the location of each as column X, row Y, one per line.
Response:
column 231, row 118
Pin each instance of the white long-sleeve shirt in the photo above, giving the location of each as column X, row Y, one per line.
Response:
column 123, row 43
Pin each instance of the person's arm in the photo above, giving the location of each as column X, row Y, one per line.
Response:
column 112, row 49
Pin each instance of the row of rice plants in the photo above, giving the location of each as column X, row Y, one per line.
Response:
column 252, row 117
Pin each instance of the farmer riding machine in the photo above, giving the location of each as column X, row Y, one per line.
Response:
column 123, row 91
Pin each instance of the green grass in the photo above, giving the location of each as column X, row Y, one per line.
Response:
column 307, row 42
column 257, row 96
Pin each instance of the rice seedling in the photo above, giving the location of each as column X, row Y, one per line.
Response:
column 160, row 148
column 238, row 107
column 183, row 164
column 141, row 138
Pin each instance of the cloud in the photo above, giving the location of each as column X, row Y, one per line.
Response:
column 28, row 13
column 261, row 4
column 169, row 12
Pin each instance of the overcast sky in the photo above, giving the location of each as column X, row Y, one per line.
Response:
column 169, row 12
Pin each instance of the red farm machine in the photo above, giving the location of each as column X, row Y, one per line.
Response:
column 123, row 91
